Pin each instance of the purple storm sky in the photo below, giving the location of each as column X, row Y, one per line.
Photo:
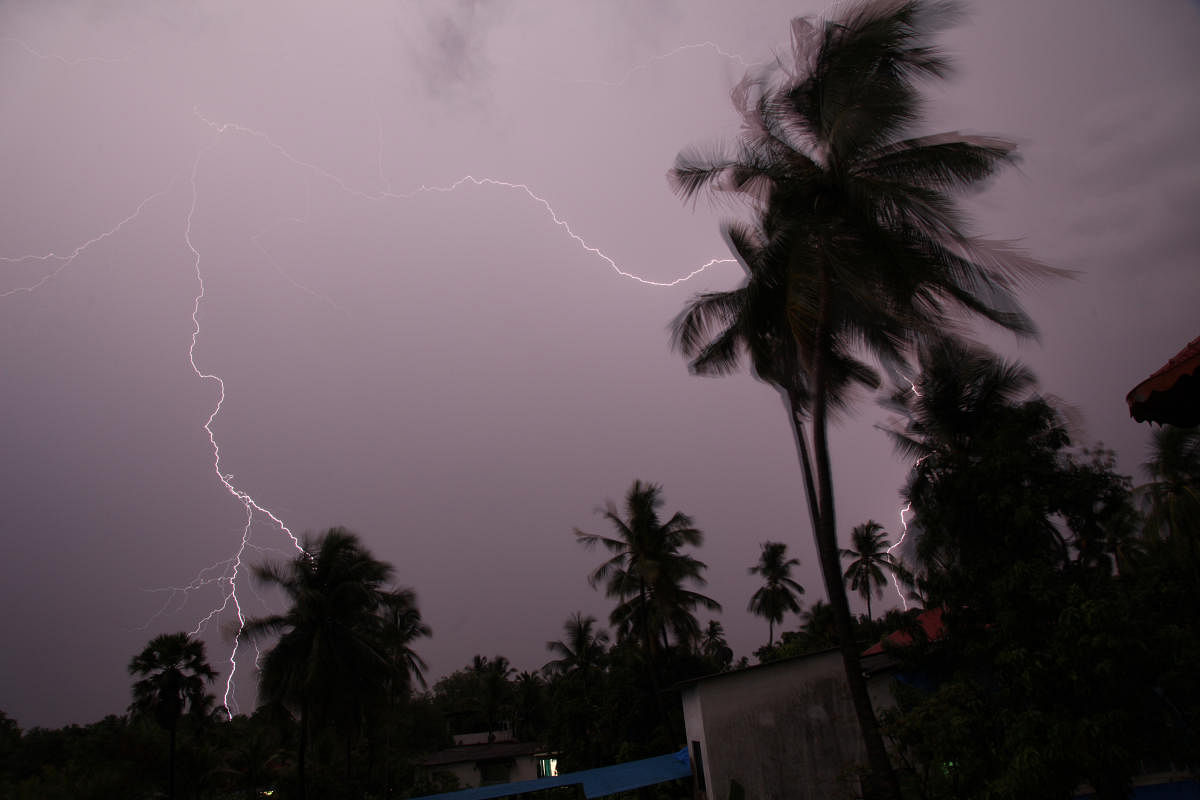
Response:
column 451, row 373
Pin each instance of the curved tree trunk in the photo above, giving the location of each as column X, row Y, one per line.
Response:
column 797, row 414
column 883, row 782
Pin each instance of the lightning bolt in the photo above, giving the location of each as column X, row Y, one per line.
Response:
column 248, row 502
column 66, row 261
column 900, row 541
column 466, row 180
column 228, row 577
column 907, row 509
column 227, row 572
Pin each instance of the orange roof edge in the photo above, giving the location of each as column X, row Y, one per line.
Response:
column 1154, row 398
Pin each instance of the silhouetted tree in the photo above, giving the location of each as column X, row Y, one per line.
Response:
column 172, row 675
column 1172, row 496
column 778, row 594
column 581, row 649
column 871, row 248
column 495, row 689
column 1039, row 645
column 870, row 558
column 334, row 655
column 648, row 572
column 714, row 646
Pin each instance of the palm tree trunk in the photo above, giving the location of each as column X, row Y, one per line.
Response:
column 795, row 406
column 869, row 616
column 882, row 781
column 651, row 647
column 770, row 632
column 171, row 766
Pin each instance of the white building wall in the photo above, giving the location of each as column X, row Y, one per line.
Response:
column 783, row 731
column 693, row 722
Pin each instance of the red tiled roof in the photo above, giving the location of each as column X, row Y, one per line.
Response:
column 1172, row 394
column 931, row 623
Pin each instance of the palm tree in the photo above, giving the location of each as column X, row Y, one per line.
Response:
column 778, row 594
column 818, row 629
column 399, row 626
column 871, row 559
column 581, row 650
column 716, row 328
column 714, row 646
column 329, row 661
column 1173, row 494
column 495, row 690
column 967, row 409
column 1171, row 498
column 647, row 572
column 862, row 226
column 173, row 673
column 529, row 707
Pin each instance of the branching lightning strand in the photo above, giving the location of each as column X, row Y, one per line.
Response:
column 226, row 572
column 905, row 510
column 224, row 127
column 248, row 502
column 66, row 261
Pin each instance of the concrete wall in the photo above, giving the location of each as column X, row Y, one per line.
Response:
column 524, row 768
column 693, row 722
column 784, row 730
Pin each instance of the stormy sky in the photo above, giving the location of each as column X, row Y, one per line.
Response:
column 409, row 223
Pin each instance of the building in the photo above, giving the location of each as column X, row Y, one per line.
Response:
column 476, row 761
column 788, row 729
column 588, row 783
column 782, row 730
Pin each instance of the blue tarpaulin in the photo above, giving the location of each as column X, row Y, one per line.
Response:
column 598, row 782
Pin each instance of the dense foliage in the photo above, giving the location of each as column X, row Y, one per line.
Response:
column 856, row 247
column 1066, row 631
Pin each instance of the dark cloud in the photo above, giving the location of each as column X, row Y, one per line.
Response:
column 451, row 48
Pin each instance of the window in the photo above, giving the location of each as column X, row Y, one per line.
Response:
column 547, row 767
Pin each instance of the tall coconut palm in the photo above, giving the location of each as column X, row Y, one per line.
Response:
column 716, row 328
column 648, row 573
column 860, row 216
column 328, row 662
column 778, row 594
column 172, row 675
column 870, row 560
column 581, row 649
